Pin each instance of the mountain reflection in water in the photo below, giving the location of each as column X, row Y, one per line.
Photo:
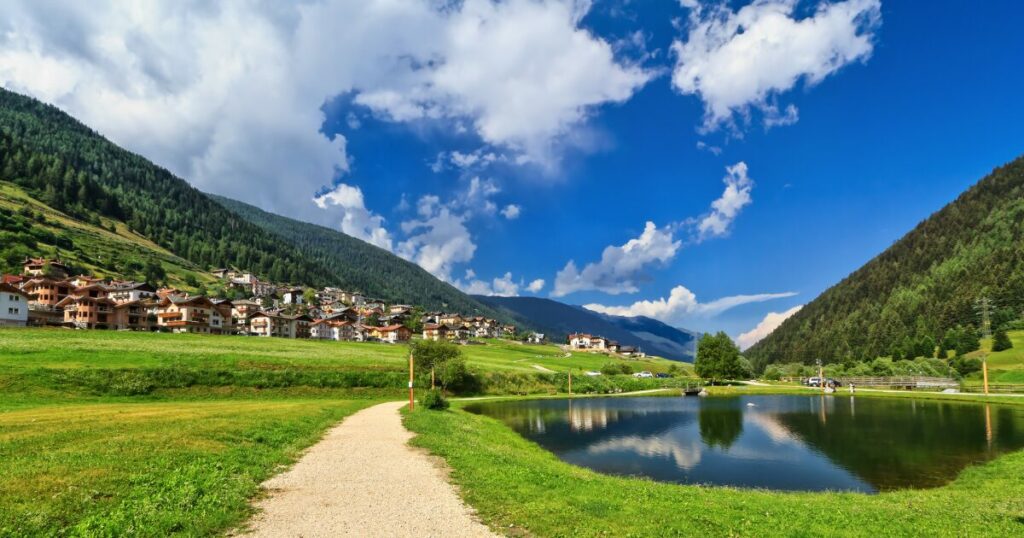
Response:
column 779, row 442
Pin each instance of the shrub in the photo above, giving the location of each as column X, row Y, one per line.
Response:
column 611, row 369
column 966, row 366
column 1001, row 342
column 434, row 399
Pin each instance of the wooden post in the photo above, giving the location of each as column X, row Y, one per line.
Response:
column 570, row 382
column 984, row 371
column 432, row 378
column 411, row 399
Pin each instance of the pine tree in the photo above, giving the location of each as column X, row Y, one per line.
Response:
column 1000, row 341
column 969, row 341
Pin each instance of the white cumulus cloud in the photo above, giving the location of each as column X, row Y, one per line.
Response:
column 769, row 323
column 682, row 304
column 511, row 211
column 356, row 219
column 230, row 95
column 437, row 240
column 621, row 267
column 523, row 70
column 503, row 286
column 727, row 207
column 738, row 60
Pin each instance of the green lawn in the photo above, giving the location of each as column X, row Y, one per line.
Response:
column 62, row 348
column 1005, row 366
column 520, row 489
column 148, row 469
column 113, row 433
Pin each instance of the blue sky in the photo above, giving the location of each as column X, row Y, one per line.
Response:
column 534, row 133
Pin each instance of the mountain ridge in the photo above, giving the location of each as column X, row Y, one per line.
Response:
column 923, row 285
column 557, row 319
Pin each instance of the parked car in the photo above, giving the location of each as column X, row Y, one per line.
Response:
column 662, row 375
column 645, row 373
column 829, row 382
column 591, row 374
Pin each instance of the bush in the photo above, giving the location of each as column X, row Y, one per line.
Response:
column 617, row 368
column 772, row 373
column 1001, row 342
column 966, row 366
column 434, row 399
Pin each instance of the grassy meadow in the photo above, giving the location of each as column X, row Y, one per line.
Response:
column 61, row 348
column 118, row 434
column 40, row 365
column 1005, row 366
column 148, row 468
column 88, row 245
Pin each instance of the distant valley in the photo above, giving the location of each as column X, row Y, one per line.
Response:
column 558, row 319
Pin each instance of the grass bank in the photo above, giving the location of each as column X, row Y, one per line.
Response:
column 519, row 488
column 39, row 366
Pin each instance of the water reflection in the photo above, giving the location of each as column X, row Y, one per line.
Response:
column 779, row 442
column 721, row 422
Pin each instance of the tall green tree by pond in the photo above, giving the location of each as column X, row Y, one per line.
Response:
column 718, row 358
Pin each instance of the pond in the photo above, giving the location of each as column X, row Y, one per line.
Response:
column 781, row 442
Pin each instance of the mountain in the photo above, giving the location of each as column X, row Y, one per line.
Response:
column 923, row 285
column 29, row 227
column 66, row 191
column 557, row 320
column 66, row 166
column 360, row 265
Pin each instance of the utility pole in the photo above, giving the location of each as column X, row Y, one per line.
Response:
column 984, row 308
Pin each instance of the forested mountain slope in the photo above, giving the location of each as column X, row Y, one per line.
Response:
column 70, row 168
column 362, row 266
column 924, row 284
column 98, row 246
column 74, row 194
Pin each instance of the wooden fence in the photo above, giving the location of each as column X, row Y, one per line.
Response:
column 996, row 388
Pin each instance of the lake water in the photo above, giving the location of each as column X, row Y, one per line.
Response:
column 808, row 443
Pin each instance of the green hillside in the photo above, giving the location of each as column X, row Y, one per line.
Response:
column 66, row 191
column 108, row 248
column 74, row 170
column 360, row 265
column 921, row 286
column 1005, row 366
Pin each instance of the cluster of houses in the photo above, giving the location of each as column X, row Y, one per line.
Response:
column 600, row 344
column 46, row 295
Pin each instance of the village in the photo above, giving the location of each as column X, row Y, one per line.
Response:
column 46, row 294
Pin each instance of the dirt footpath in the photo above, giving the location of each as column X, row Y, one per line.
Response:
column 363, row 479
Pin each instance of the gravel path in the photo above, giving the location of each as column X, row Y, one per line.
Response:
column 363, row 479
